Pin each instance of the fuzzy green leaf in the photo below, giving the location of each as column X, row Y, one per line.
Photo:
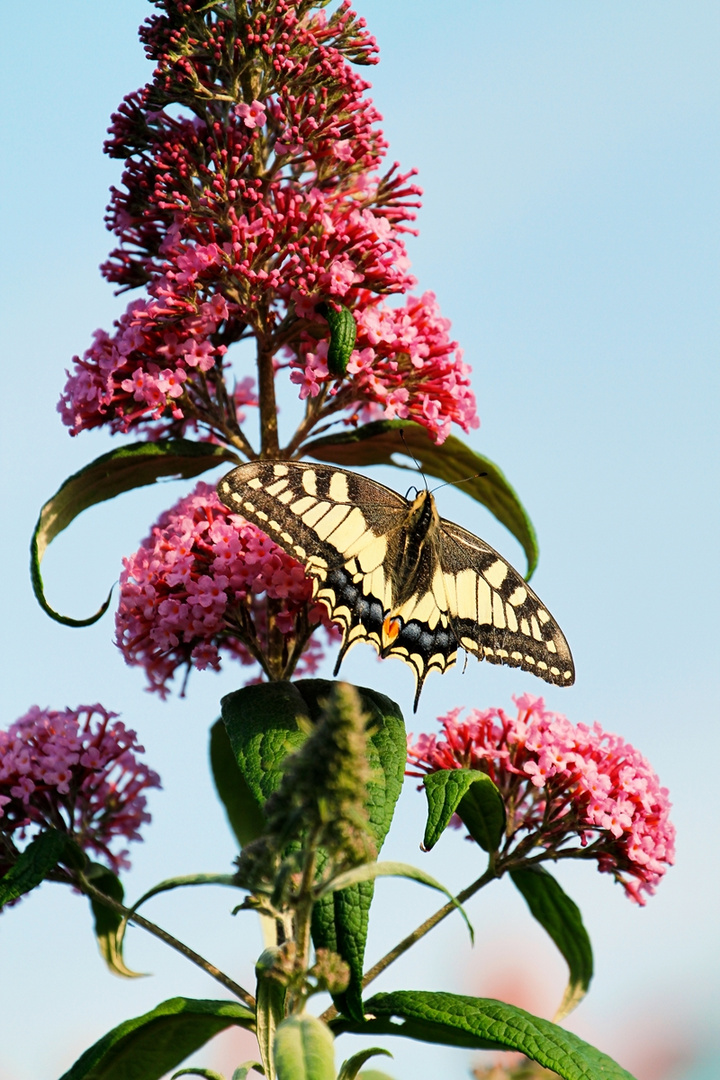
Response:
column 111, row 474
column 270, row 1008
column 560, row 917
column 379, row 443
column 472, row 795
column 109, row 925
column 149, row 1046
column 482, row 1024
column 304, row 1049
column 244, row 814
column 264, row 724
column 33, row 865
column 207, row 1074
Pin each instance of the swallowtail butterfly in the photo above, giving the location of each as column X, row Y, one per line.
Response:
column 396, row 574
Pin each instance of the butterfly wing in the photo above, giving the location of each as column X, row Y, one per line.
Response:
column 494, row 613
column 338, row 524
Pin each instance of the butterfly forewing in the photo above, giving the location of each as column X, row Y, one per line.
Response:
column 393, row 573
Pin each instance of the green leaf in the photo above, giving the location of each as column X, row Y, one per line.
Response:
column 33, row 865
column 208, row 1074
column 109, row 925
column 247, row 1066
column 482, row 1024
column 111, row 474
column 379, row 443
column 270, row 1007
column 370, row 871
column 264, row 724
column 350, row 1068
column 166, row 886
column 243, row 812
column 560, row 917
column 373, row 1074
column 343, row 333
column 472, row 795
column 148, row 1046
column 304, row 1049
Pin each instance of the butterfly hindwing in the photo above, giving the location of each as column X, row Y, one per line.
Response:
column 393, row 573
column 496, row 615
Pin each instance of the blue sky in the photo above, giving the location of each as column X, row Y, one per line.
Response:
column 569, row 158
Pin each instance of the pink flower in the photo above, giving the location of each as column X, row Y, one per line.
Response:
column 205, row 584
column 253, row 115
column 74, row 769
column 562, row 783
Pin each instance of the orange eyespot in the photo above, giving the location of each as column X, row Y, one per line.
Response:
column 391, row 627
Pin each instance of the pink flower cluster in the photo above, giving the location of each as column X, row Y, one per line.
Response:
column 207, row 582
column 403, row 365
column 75, row 770
column 239, row 218
column 562, row 782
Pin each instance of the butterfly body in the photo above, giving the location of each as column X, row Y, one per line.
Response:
column 396, row 574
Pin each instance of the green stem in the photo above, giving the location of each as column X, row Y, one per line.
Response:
column 158, row 932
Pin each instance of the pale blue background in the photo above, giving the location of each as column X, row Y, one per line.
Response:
column 569, row 156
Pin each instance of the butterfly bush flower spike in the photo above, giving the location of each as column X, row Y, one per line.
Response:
column 76, row 770
column 207, row 583
column 570, row 790
column 240, row 218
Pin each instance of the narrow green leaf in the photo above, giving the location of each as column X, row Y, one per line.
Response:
column 373, row 1074
column 243, row 812
column 472, row 795
column 270, row 1008
column 370, row 871
column 33, row 865
column 149, row 1046
column 343, row 333
column 208, row 1074
column 264, row 724
column 350, row 1068
column 242, row 1070
column 379, row 443
column 304, row 1049
column 560, row 917
column 109, row 925
column 482, row 1024
column 111, row 474
column 166, row 886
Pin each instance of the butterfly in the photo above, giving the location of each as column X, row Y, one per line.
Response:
column 393, row 572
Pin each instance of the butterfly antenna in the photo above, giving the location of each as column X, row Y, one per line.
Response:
column 454, row 483
column 409, row 453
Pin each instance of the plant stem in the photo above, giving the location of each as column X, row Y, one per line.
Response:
column 419, row 933
column 268, row 406
column 173, row 942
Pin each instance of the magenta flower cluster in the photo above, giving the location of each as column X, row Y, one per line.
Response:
column 205, row 583
column 76, row 770
column 239, row 216
column 561, row 783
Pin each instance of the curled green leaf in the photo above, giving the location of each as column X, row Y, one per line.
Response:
column 109, row 925
column 111, row 474
column 304, row 1049
column 560, row 917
